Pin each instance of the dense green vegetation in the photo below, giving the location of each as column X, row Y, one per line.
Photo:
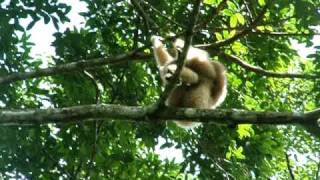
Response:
column 265, row 74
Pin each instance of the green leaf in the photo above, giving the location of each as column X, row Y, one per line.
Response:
column 262, row 2
column 245, row 130
column 233, row 21
column 218, row 36
column 31, row 24
column 240, row 18
column 238, row 153
column 228, row 12
column 239, row 48
column 210, row 2
column 231, row 6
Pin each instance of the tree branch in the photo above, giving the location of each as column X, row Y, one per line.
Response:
column 75, row 66
column 289, row 166
column 169, row 19
column 133, row 55
column 144, row 15
column 140, row 114
column 215, row 12
column 263, row 72
column 269, row 33
column 97, row 86
column 317, row 176
column 238, row 35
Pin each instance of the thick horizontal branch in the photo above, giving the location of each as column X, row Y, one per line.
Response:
column 264, row 72
column 141, row 114
column 74, row 66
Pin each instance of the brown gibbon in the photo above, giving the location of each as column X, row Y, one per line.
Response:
column 203, row 82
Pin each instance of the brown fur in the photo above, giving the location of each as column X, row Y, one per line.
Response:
column 203, row 83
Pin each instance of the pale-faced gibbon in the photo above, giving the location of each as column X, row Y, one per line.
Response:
column 202, row 82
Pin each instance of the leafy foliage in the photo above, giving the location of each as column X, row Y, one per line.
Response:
column 126, row 150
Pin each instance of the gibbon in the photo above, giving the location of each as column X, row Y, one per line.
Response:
column 202, row 82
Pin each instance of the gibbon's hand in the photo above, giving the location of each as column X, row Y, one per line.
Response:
column 169, row 71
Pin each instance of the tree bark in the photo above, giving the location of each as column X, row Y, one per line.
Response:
column 142, row 114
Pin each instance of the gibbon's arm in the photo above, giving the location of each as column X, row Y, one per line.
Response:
column 187, row 76
column 168, row 66
column 197, row 60
column 161, row 54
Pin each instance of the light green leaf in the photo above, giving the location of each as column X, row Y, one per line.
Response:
column 240, row 18
column 245, row 130
column 231, row 6
column 233, row 21
column 218, row 36
column 228, row 12
column 261, row 28
column 232, row 33
column 269, row 28
column 238, row 153
column 261, row 2
column 210, row 2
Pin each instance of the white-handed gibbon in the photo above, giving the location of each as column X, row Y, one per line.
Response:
column 202, row 82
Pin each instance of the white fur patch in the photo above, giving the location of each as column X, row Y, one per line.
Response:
column 172, row 68
column 197, row 53
column 179, row 43
column 156, row 41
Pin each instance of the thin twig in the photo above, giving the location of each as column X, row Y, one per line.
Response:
column 56, row 163
column 318, row 170
column 96, row 86
column 289, row 166
column 268, row 33
column 238, row 35
column 215, row 12
column 284, row 33
column 147, row 20
column 264, row 72
column 166, row 17
column 248, row 9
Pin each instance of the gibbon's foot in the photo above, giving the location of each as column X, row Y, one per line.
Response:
column 170, row 70
column 157, row 41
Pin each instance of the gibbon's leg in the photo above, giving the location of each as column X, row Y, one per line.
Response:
column 199, row 96
column 176, row 96
column 219, row 89
column 176, row 99
column 160, row 53
column 188, row 76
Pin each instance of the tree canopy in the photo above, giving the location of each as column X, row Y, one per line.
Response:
column 94, row 109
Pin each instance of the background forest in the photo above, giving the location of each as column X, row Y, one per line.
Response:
column 88, row 112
